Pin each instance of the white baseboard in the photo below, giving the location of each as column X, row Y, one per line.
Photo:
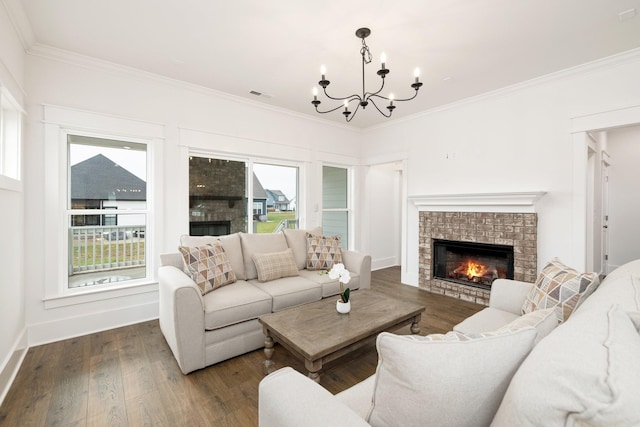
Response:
column 12, row 364
column 380, row 263
column 62, row 329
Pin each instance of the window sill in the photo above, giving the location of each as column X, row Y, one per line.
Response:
column 10, row 184
column 93, row 295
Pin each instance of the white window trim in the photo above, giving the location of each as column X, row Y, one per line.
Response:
column 350, row 199
column 59, row 122
column 7, row 182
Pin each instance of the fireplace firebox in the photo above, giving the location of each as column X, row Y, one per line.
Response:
column 470, row 263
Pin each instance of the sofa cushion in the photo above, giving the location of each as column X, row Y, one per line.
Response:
column 329, row 286
column 584, row 373
column 487, row 319
column 561, row 287
column 234, row 304
column 297, row 241
column 275, row 265
column 323, row 251
column 259, row 244
column 445, row 380
column 208, row 266
column 290, row 291
column 544, row 321
column 231, row 245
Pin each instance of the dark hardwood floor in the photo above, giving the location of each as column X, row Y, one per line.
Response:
column 128, row 376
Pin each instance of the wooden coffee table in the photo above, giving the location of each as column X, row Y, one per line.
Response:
column 317, row 333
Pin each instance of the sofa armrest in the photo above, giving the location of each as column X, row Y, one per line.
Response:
column 358, row 263
column 181, row 316
column 509, row 295
column 288, row 398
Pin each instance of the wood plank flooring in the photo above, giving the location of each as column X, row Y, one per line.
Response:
column 128, row 376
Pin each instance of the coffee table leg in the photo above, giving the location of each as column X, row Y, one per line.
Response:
column 268, row 353
column 314, row 369
column 415, row 326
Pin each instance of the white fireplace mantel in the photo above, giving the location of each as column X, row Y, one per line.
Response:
column 520, row 202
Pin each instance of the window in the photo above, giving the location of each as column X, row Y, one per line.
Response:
column 10, row 135
column 335, row 203
column 219, row 196
column 106, row 210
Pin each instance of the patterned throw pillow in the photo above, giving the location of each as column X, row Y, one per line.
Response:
column 208, row 266
column 275, row 265
column 323, row 252
column 561, row 287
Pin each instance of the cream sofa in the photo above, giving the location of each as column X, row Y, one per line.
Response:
column 205, row 329
column 585, row 372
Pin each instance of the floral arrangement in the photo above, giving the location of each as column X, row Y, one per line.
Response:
column 342, row 274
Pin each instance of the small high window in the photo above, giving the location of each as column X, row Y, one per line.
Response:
column 10, row 135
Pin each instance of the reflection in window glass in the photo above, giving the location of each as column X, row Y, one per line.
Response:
column 217, row 196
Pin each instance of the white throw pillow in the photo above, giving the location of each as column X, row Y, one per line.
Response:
column 445, row 380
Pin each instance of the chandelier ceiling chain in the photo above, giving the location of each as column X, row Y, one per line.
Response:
column 366, row 97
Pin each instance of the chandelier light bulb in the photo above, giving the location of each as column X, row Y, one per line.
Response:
column 391, row 99
column 416, row 74
column 323, row 71
column 346, row 105
column 314, row 91
column 383, row 59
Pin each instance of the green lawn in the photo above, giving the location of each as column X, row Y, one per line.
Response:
column 273, row 219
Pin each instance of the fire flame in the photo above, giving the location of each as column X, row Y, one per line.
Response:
column 475, row 269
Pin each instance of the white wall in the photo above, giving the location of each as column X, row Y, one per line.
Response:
column 517, row 139
column 192, row 119
column 383, row 208
column 12, row 287
column 623, row 146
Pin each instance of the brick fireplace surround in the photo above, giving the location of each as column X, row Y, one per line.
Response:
column 516, row 229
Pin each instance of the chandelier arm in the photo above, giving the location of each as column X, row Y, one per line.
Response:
column 370, row 94
column 329, row 111
column 405, row 99
column 379, row 110
column 350, row 97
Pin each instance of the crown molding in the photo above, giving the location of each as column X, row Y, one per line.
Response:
column 73, row 58
column 609, row 61
column 20, row 22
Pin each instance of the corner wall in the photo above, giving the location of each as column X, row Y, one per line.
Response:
column 12, row 286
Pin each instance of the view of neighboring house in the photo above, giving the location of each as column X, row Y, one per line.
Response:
column 100, row 183
column 277, row 200
column 260, row 197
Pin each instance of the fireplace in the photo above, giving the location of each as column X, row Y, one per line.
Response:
column 471, row 263
column 209, row 228
column 518, row 230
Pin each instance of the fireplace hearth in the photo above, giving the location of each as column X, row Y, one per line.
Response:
column 471, row 263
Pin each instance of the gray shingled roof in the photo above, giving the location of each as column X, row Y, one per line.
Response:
column 100, row 178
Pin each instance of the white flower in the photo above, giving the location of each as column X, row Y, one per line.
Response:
column 339, row 272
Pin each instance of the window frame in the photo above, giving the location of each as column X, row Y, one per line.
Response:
column 350, row 200
column 249, row 162
column 11, row 182
column 59, row 123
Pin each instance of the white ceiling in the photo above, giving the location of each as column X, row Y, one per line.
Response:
column 463, row 47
